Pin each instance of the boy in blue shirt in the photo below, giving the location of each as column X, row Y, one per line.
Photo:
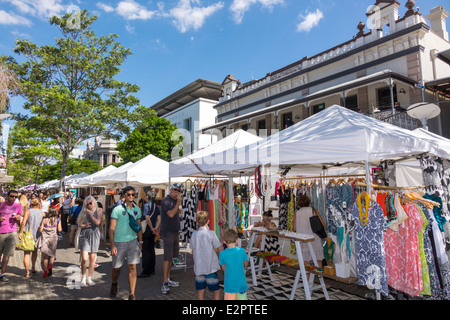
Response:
column 233, row 261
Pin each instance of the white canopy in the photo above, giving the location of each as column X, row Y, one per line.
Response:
column 149, row 171
column 203, row 162
column 441, row 143
column 335, row 136
column 89, row 179
column 97, row 180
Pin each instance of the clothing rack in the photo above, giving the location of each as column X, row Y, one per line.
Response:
column 324, row 177
column 376, row 186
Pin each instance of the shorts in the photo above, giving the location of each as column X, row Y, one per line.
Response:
column 235, row 296
column 171, row 245
column 8, row 243
column 128, row 252
column 209, row 280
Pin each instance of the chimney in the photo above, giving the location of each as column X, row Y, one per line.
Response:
column 437, row 18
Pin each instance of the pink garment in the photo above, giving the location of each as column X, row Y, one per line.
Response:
column 403, row 267
column 8, row 211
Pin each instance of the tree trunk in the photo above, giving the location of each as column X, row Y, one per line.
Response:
column 65, row 157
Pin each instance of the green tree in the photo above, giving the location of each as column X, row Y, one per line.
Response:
column 71, row 88
column 31, row 150
column 151, row 135
column 74, row 166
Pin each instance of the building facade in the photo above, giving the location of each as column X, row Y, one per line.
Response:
column 397, row 60
column 190, row 109
column 103, row 150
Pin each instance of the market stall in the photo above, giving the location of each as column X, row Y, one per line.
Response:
column 340, row 138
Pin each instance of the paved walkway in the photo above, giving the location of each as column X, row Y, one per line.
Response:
column 62, row 285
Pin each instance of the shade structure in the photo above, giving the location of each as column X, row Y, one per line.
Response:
column 149, row 171
column 440, row 143
column 334, row 136
column 84, row 182
column 98, row 179
column 203, row 162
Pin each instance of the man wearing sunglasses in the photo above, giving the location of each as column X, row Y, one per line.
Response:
column 10, row 214
column 170, row 228
column 126, row 245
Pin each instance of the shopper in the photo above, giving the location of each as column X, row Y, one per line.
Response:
column 170, row 228
column 233, row 261
column 124, row 244
column 48, row 240
column 67, row 203
column 10, row 215
column 89, row 241
column 153, row 218
column 73, row 217
column 45, row 204
column 205, row 246
column 30, row 223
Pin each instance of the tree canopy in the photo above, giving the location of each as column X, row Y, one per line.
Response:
column 70, row 88
column 152, row 135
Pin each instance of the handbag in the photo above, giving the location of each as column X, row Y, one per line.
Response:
column 144, row 222
column 317, row 225
column 134, row 225
column 26, row 242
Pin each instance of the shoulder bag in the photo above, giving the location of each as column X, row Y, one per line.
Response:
column 134, row 225
column 144, row 221
column 317, row 225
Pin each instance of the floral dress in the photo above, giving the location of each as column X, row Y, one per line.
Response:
column 369, row 248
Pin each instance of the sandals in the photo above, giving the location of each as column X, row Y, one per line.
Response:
column 27, row 276
column 113, row 290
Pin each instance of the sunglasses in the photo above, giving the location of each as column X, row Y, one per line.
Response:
column 13, row 196
column 131, row 194
column 178, row 190
column 90, row 203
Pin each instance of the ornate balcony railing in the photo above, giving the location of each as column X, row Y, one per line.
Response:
column 400, row 119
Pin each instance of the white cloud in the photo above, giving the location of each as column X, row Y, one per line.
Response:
column 309, row 21
column 10, row 18
column 187, row 17
column 129, row 28
column 131, row 10
column 239, row 7
column 105, row 7
column 39, row 8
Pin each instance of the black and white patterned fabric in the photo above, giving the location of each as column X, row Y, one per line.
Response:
column 188, row 214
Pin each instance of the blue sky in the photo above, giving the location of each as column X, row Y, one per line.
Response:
column 176, row 42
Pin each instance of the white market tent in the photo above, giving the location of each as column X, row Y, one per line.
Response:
column 100, row 175
column 84, row 182
column 149, row 171
column 335, row 136
column 202, row 162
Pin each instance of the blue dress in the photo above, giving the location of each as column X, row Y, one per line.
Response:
column 369, row 245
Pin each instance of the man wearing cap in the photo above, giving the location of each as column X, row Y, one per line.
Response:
column 170, row 227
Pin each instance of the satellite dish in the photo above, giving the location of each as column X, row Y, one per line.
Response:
column 423, row 111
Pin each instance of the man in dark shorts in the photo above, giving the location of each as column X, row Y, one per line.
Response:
column 170, row 228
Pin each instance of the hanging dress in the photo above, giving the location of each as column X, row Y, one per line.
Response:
column 369, row 247
column 188, row 222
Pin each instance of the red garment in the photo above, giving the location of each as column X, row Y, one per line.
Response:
column 381, row 200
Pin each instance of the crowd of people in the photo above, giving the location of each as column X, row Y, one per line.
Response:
column 132, row 232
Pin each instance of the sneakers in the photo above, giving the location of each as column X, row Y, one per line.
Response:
column 173, row 283
column 90, row 282
column 3, row 278
column 165, row 288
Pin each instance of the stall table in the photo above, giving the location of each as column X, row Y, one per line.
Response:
column 302, row 272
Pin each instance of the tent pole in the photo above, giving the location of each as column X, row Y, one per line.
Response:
column 368, row 181
column 231, row 221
